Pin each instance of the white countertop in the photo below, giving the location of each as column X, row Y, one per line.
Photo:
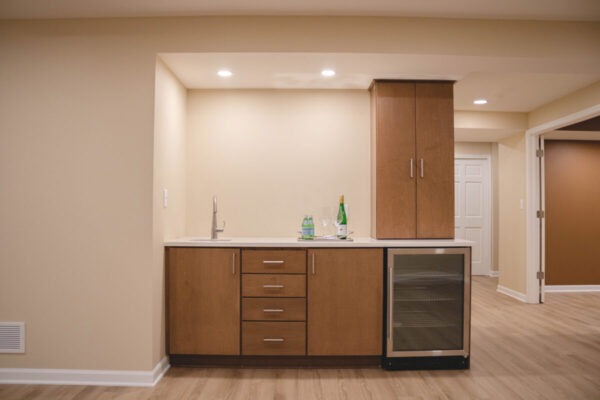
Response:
column 293, row 242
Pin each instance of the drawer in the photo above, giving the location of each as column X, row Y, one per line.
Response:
column 273, row 309
column 274, row 338
column 255, row 285
column 274, row 261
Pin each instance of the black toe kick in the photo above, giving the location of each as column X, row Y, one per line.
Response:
column 425, row 363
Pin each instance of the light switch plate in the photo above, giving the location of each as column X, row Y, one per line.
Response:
column 165, row 198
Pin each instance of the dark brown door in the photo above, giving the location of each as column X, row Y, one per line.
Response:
column 345, row 300
column 203, row 301
column 435, row 160
column 572, row 183
column 394, row 197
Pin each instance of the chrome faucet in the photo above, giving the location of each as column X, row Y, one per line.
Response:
column 214, row 229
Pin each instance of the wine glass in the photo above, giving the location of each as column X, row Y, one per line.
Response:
column 327, row 221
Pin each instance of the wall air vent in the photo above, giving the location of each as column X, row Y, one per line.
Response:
column 12, row 337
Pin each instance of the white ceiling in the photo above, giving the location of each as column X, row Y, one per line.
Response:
column 516, row 91
column 580, row 10
column 509, row 84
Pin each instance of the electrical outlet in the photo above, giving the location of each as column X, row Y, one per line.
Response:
column 165, row 198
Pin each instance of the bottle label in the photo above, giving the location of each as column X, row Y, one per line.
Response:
column 308, row 231
column 342, row 230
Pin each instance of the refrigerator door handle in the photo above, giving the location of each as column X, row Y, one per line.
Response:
column 390, row 303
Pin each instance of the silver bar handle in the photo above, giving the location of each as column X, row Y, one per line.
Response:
column 313, row 263
column 390, row 302
column 272, row 262
column 273, row 310
column 422, row 169
column 412, row 175
column 273, row 340
column 273, row 286
column 233, row 264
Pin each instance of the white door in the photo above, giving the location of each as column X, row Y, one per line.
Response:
column 473, row 209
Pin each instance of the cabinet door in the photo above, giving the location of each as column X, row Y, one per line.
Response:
column 345, row 302
column 435, row 160
column 203, row 294
column 393, row 170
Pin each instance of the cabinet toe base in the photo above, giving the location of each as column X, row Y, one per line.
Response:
column 426, row 363
column 189, row 360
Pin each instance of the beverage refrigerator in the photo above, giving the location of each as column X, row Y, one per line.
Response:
column 428, row 308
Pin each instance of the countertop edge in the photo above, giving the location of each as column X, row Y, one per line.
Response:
column 293, row 243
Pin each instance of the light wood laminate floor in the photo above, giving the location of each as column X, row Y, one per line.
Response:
column 519, row 351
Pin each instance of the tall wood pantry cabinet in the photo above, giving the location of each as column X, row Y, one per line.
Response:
column 412, row 160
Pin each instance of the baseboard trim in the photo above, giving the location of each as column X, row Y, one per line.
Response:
column 493, row 274
column 512, row 293
column 571, row 288
column 87, row 377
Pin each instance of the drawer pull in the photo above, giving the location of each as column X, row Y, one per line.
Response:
column 273, row 310
column 272, row 262
column 273, row 340
column 273, row 286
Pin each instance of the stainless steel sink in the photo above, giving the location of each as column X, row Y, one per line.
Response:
column 210, row 240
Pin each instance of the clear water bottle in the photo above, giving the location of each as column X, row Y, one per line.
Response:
column 308, row 228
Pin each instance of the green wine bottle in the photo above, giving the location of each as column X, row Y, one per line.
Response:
column 342, row 221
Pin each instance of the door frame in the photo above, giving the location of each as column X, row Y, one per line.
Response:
column 535, row 241
column 487, row 199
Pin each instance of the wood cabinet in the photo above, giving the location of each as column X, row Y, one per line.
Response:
column 345, row 302
column 435, row 155
column 203, row 301
column 274, row 302
column 273, row 309
column 274, row 261
column 333, row 308
column 274, row 338
column 412, row 160
column 273, row 285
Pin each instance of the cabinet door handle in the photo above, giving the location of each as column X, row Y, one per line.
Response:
column 233, row 264
column 313, row 263
column 422, row 169
column 272, row 262
column 273, row 340
column 412, row 175
column 273, row 286
column 273, row 310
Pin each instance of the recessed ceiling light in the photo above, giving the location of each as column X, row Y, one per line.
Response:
column 480, row 101
column 328, row 72
column 224, row 73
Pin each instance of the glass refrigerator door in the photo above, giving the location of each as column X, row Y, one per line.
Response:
column 428, row 290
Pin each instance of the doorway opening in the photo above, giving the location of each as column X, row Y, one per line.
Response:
column 537, row 207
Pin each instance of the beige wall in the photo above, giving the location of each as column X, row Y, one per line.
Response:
column 487, row 149
column 77, row 152
column 495, row 207
column 272, row 156
column 76, row 139
column 487, row 126
column 576, row 101
column 473, row 148
column 169, row 173
column 512, row 231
